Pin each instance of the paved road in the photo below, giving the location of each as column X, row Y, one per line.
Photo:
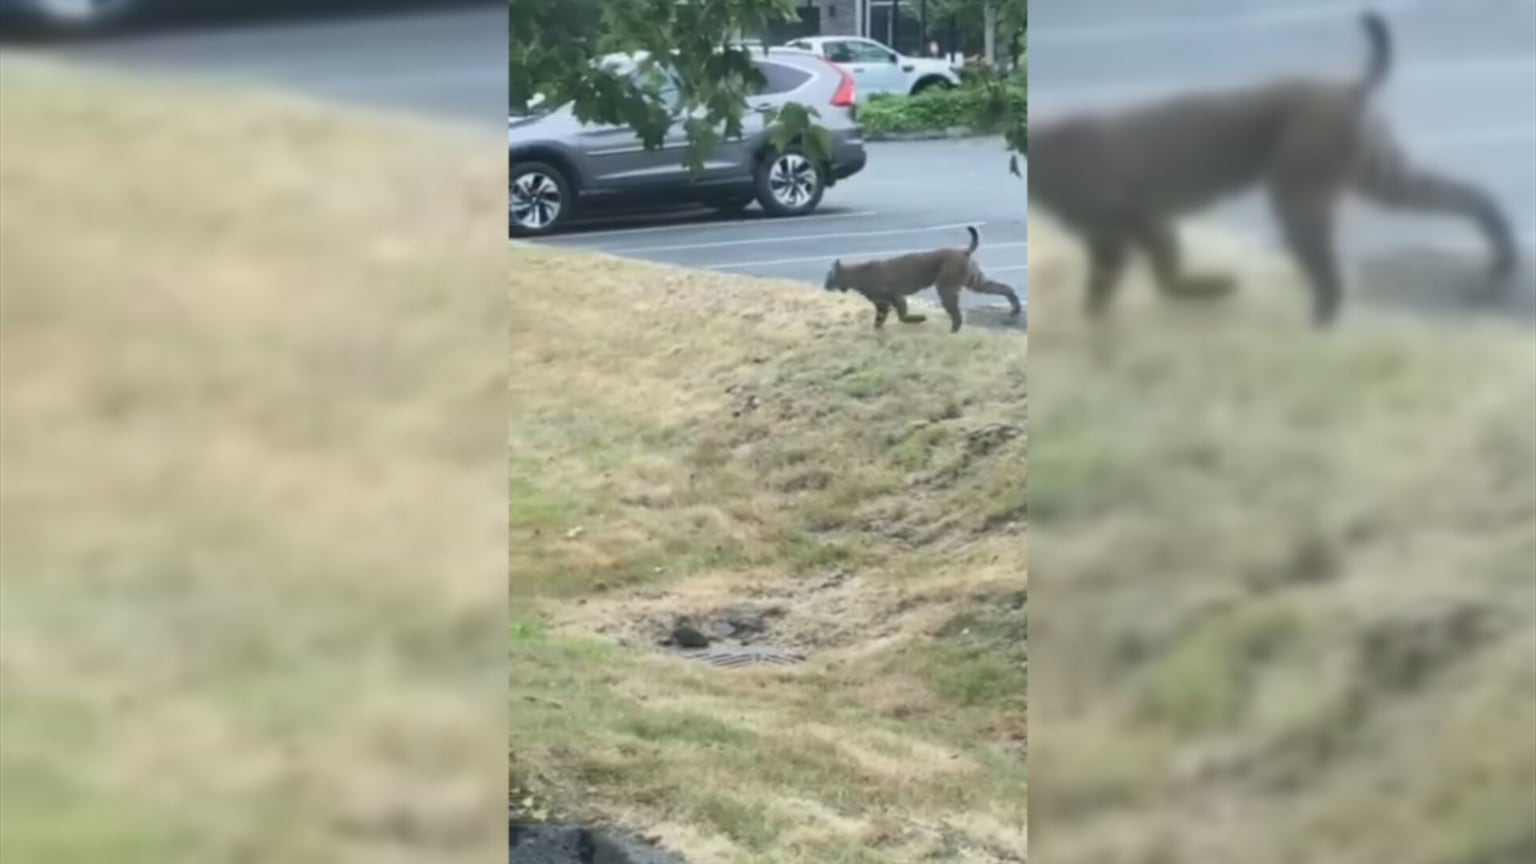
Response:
column 443, row 59
column 912, row 196
column 1463, row 96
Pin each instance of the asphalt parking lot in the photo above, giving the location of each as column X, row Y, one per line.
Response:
column 446, row 60
column 912, row 196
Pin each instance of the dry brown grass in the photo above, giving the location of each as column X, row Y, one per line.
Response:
column 1285, row 582
column 253, row 398
column 685, row 442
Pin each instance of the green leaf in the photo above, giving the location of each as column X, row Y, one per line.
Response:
column 555, row 46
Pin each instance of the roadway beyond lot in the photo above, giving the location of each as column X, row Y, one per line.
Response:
column 913, row 196
column 1462, row 96
column 446, row 60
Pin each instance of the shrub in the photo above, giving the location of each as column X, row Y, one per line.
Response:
column 983, row 104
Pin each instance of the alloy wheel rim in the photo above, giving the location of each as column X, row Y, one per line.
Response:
column 792, row 180
column 536, row 202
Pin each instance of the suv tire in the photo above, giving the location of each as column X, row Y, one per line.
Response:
column 788, row 183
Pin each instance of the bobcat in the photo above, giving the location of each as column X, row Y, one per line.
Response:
column 887, row 283
column 1117, row 180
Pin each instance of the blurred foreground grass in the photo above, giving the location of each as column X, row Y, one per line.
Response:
column 1284, row 603
column 252, row 497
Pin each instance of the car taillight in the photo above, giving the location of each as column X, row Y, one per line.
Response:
column 844, row 97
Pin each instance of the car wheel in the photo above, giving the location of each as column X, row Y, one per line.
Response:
column 789, row 183
column 539, row 198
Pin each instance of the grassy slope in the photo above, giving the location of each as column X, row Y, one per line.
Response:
column 1284, row 583
column 684, row 442
column 252, row 530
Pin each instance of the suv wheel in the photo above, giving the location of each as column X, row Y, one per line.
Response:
column 789, row 183
column 539, row 199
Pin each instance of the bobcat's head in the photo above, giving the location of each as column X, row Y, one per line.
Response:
column 834, row 280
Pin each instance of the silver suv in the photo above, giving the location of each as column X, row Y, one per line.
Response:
column 559, row 165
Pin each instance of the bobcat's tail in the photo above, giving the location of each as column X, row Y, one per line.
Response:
column 1379, row 62
column 975, row 239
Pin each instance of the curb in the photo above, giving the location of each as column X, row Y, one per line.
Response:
column 952, row 133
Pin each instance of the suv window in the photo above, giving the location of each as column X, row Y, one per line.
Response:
column 781, row 78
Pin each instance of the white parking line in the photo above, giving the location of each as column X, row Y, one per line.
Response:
column 862, row 255
column 1491, row 136
column 1526, row 241
column 699, row 226
column 790, row 238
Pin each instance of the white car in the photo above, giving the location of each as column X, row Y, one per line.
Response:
column 72, row 15
column 878, row 69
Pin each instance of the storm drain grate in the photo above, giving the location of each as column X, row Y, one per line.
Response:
column 733, row 656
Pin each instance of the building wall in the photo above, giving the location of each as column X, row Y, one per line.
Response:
column 839, row 17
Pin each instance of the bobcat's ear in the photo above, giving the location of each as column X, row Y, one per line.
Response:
column 837, row 265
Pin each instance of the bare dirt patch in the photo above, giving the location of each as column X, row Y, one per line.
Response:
column 838, row 613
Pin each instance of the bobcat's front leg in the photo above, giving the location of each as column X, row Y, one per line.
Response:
column 903, row 315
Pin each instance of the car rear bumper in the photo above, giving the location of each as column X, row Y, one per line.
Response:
column 853, row 164
column 848, row 158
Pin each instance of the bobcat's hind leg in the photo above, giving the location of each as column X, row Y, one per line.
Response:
column 1161, row 243
column 995, row 288
column 950, row 296
column 1394, row 183
column 1306, row 220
